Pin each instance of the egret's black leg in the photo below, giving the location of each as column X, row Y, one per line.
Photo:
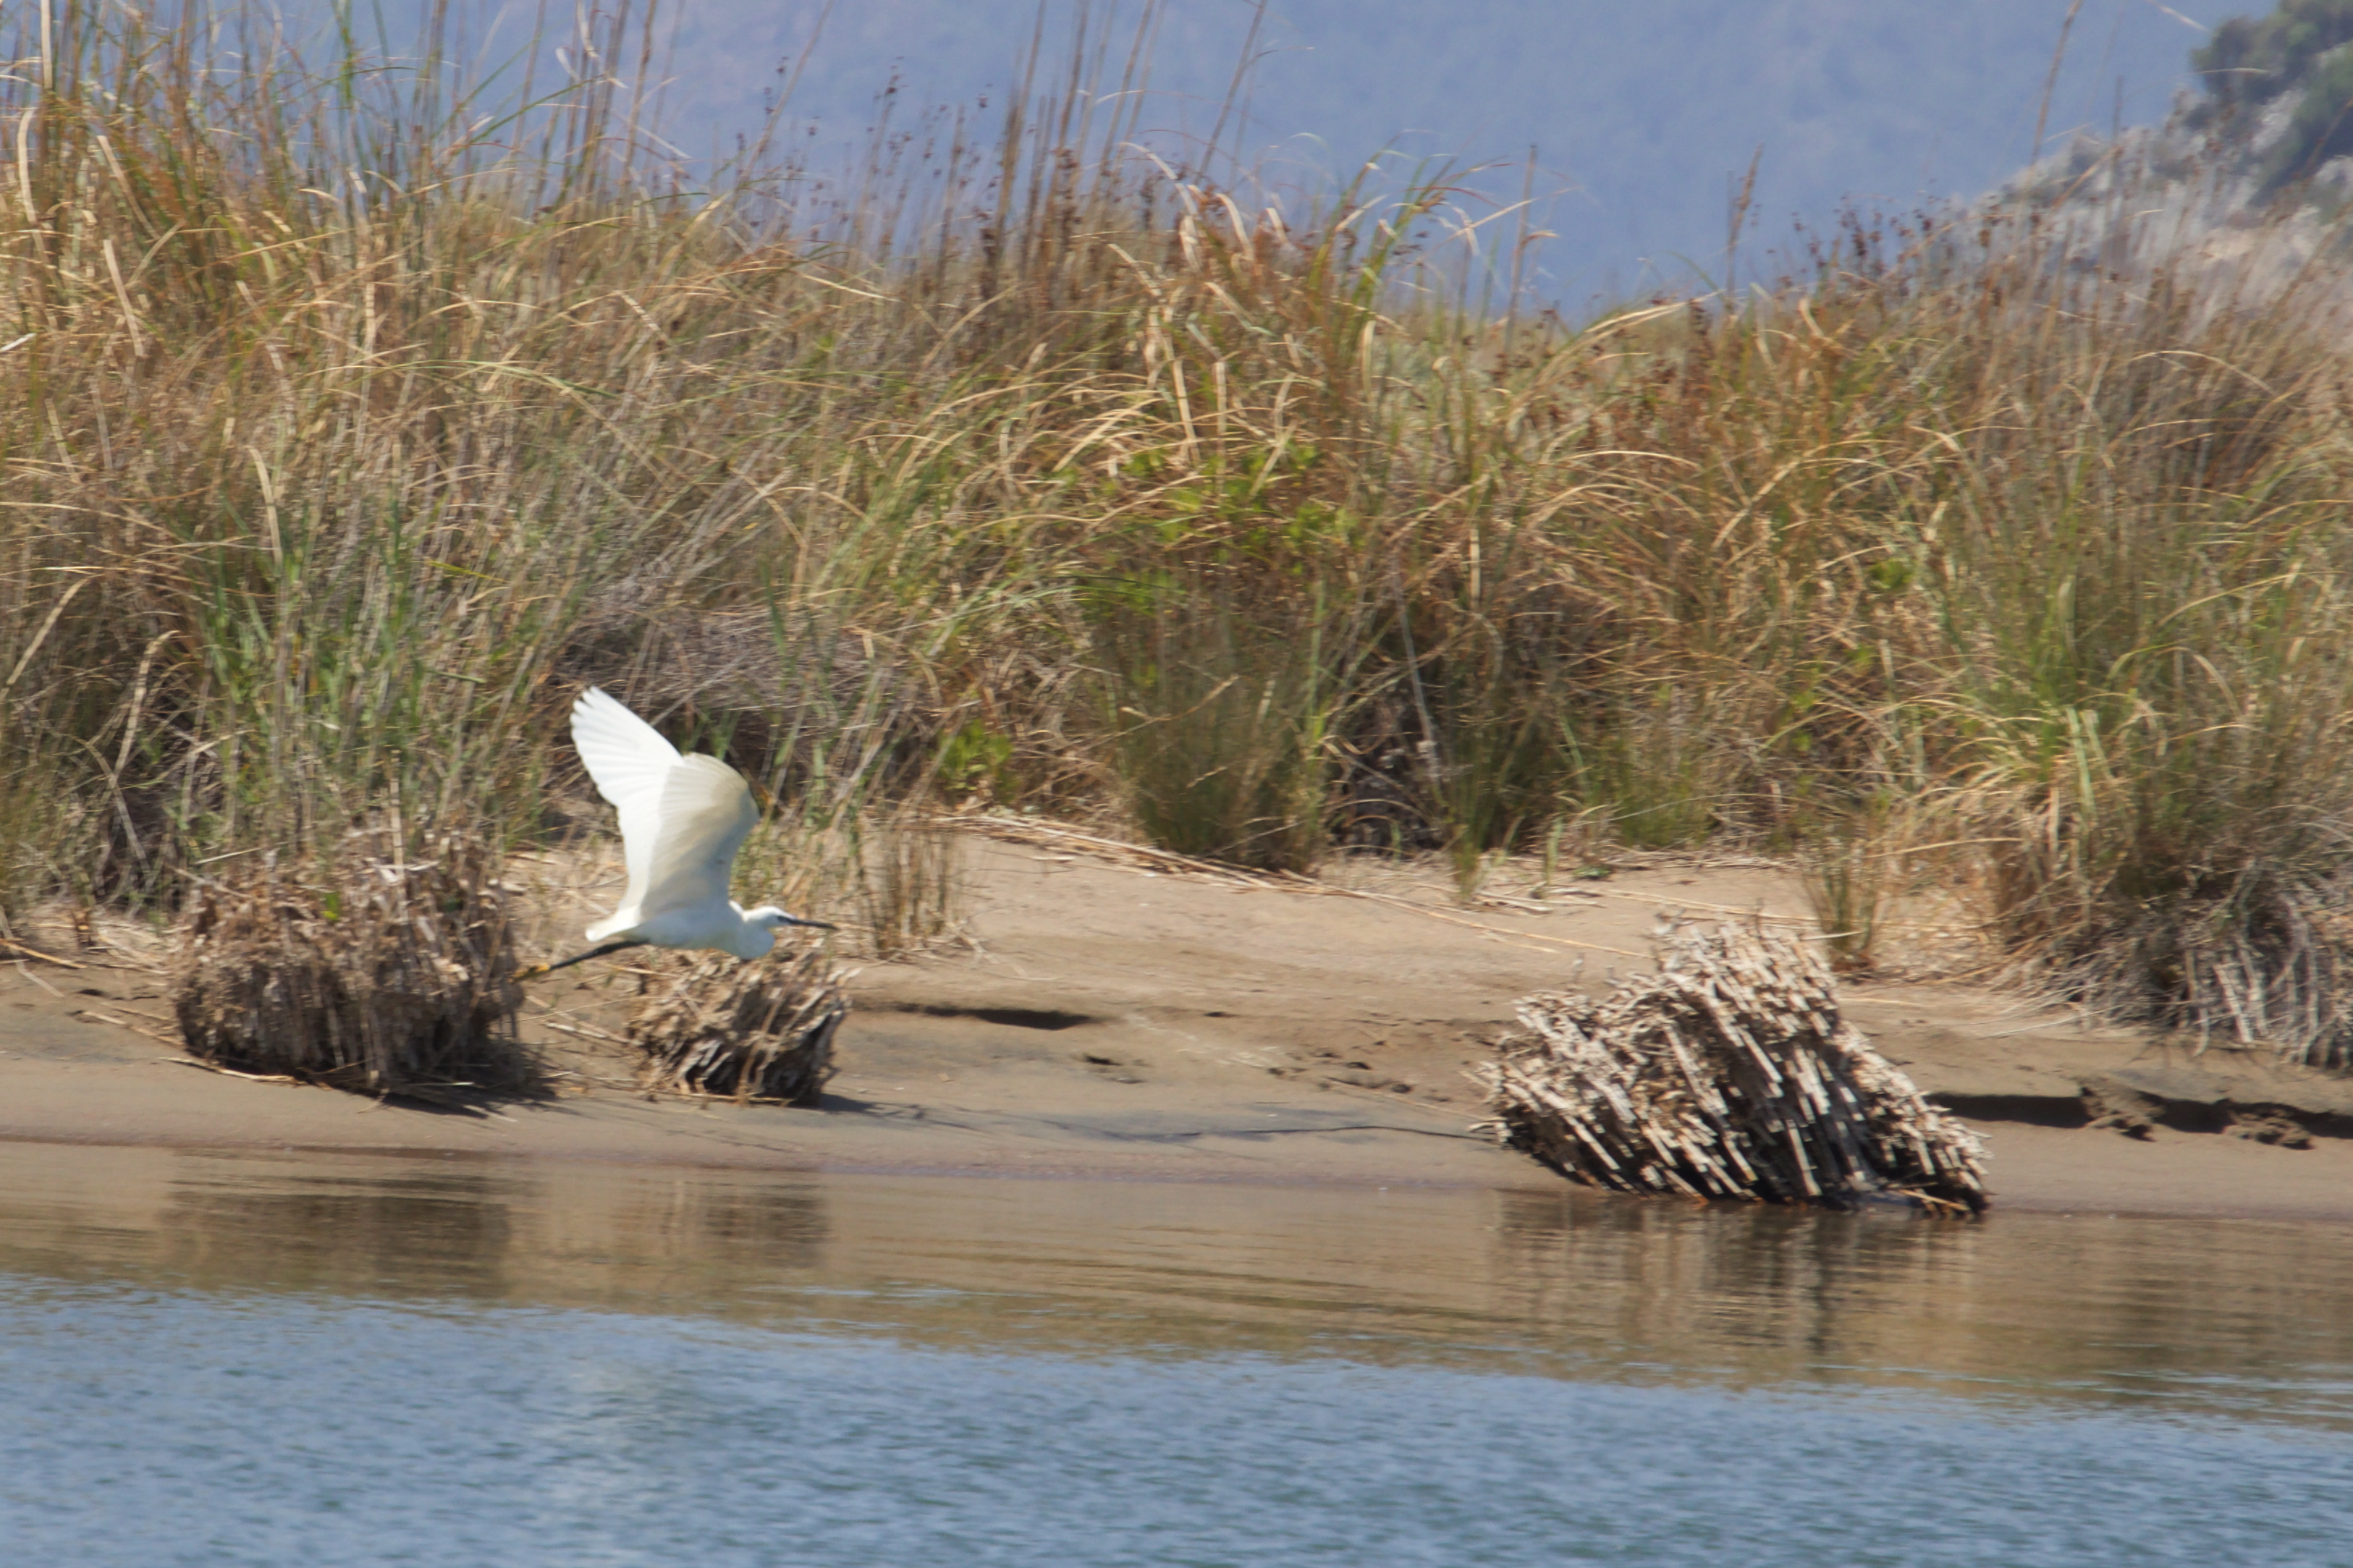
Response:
column 536, row 969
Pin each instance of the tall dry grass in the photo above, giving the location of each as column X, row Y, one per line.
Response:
column 355, row 416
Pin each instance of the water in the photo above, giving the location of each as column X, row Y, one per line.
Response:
column 229, row 1358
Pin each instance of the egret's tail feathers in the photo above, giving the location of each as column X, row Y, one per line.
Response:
column 619, row 920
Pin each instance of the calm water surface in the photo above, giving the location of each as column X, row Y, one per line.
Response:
column 213, row 1358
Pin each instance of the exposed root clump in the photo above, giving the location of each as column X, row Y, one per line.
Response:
column 371, row 972
column 757, row 1031
column 1729, row 1074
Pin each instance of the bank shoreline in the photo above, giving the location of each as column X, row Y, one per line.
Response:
column 1107, row 1023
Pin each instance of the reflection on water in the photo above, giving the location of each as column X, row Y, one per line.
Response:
column 350, row 1235
column 2255, row 1318
column 2245, row 1315
column 210, row 1358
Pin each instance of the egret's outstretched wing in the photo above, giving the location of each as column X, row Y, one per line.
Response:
column 706, row 813
column 631, row 764
column 625, row 755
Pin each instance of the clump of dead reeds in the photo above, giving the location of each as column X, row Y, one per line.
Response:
column 1728, row 1074
column 2245, row 939
column 758, row 1031
column 371, row 971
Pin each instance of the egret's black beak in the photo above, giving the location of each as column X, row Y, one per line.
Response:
column 817, row 925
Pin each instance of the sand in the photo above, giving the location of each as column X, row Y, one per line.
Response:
column 1107, row 1020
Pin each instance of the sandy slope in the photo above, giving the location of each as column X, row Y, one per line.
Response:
column 1110, row 1020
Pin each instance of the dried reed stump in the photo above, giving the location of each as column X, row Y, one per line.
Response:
column 756, row 1031
column 369, row 970
column 1728, row 1074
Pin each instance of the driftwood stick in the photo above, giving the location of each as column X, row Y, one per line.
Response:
column 17, row 947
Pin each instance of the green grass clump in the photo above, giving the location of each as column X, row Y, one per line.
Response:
column 1219, row 716
column 356, row 416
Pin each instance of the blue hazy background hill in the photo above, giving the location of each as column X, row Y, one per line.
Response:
column 1642, row 117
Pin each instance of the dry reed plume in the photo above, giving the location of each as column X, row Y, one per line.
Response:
column 758, row 1031
column 1728, row 1074
column 372, row 972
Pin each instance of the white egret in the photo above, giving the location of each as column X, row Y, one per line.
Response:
column 682, row 820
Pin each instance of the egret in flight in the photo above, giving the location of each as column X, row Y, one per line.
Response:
column 682, row 820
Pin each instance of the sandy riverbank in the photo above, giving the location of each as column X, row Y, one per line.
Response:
column 1109, row 1021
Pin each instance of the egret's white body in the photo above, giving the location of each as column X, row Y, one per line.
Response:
column 684, row 818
